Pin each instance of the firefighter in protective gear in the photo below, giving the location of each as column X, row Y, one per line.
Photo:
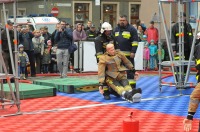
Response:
column 126, row 38
column 91, row 33
column 193, row 105
column 100, row 45
column 197, row 58
column 111, row 69
column 103, row 39
column 188, row 37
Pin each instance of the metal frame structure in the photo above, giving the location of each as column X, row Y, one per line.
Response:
column 15, row 97
column 180, row 82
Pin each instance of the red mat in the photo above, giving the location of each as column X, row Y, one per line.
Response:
column 107, row 118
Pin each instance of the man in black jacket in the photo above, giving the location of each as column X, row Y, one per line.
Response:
column 25, row 38
column 5, row 47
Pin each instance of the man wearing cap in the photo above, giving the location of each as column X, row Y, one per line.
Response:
column 91, row 33
column 5, row 47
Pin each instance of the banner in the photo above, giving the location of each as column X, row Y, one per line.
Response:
column 89, row 58
column 139, row 56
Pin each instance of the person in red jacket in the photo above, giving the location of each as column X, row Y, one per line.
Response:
column 152, row 33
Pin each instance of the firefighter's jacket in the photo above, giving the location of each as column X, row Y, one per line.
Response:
column 197, row 60
column 188, row 36
column 127, row 39
column 113, row 66
column 100, row 44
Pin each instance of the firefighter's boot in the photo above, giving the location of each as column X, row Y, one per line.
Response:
column 127, row 95
column 136, row 95
column 106, row 94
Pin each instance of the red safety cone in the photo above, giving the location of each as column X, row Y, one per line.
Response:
column 130, row 124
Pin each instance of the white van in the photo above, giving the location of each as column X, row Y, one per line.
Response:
column 37, row 22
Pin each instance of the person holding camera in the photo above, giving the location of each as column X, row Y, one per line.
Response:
column 63, row 38
column 25, row 38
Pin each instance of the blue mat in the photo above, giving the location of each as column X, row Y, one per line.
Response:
column 150, row 87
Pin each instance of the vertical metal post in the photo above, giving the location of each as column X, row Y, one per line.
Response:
column 9, row 43
column 167, row 39
column 180, row 43
column 100, row 15
column 0, row 50
column 170, row 24
column 45, row 6
column 160, row 49
column 16, row 58
column 192, row 50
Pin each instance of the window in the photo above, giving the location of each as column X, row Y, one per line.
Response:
column 82, row 12
column 134, row 13
column 21, row 11
column 110, row 12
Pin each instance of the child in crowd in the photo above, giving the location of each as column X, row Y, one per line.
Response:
column 53, row 59
column 46, row 60
column 161, row 54
column 23, row 61
column 146, row 57
column 153, row 55
column 49, row 45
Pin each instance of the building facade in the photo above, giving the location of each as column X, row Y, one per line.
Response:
column 97, row 11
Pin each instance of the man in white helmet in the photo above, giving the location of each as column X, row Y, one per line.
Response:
column 100, row 45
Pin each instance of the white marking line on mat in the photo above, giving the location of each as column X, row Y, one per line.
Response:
column 96, row 105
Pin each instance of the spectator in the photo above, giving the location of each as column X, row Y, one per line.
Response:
column 38, row 43
column 25, row 38
column 45, row 34
column 139, row 23
column 91, row 33
column 23, row 61
column 46, row 59
column 64, row 39
column 153, row 55
column 79, row 34
column 141, row 34
column 49, row 47
column 152, row 33
column 146, row 57
column 53, row 34
column 89, row 24
column 53, row 59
